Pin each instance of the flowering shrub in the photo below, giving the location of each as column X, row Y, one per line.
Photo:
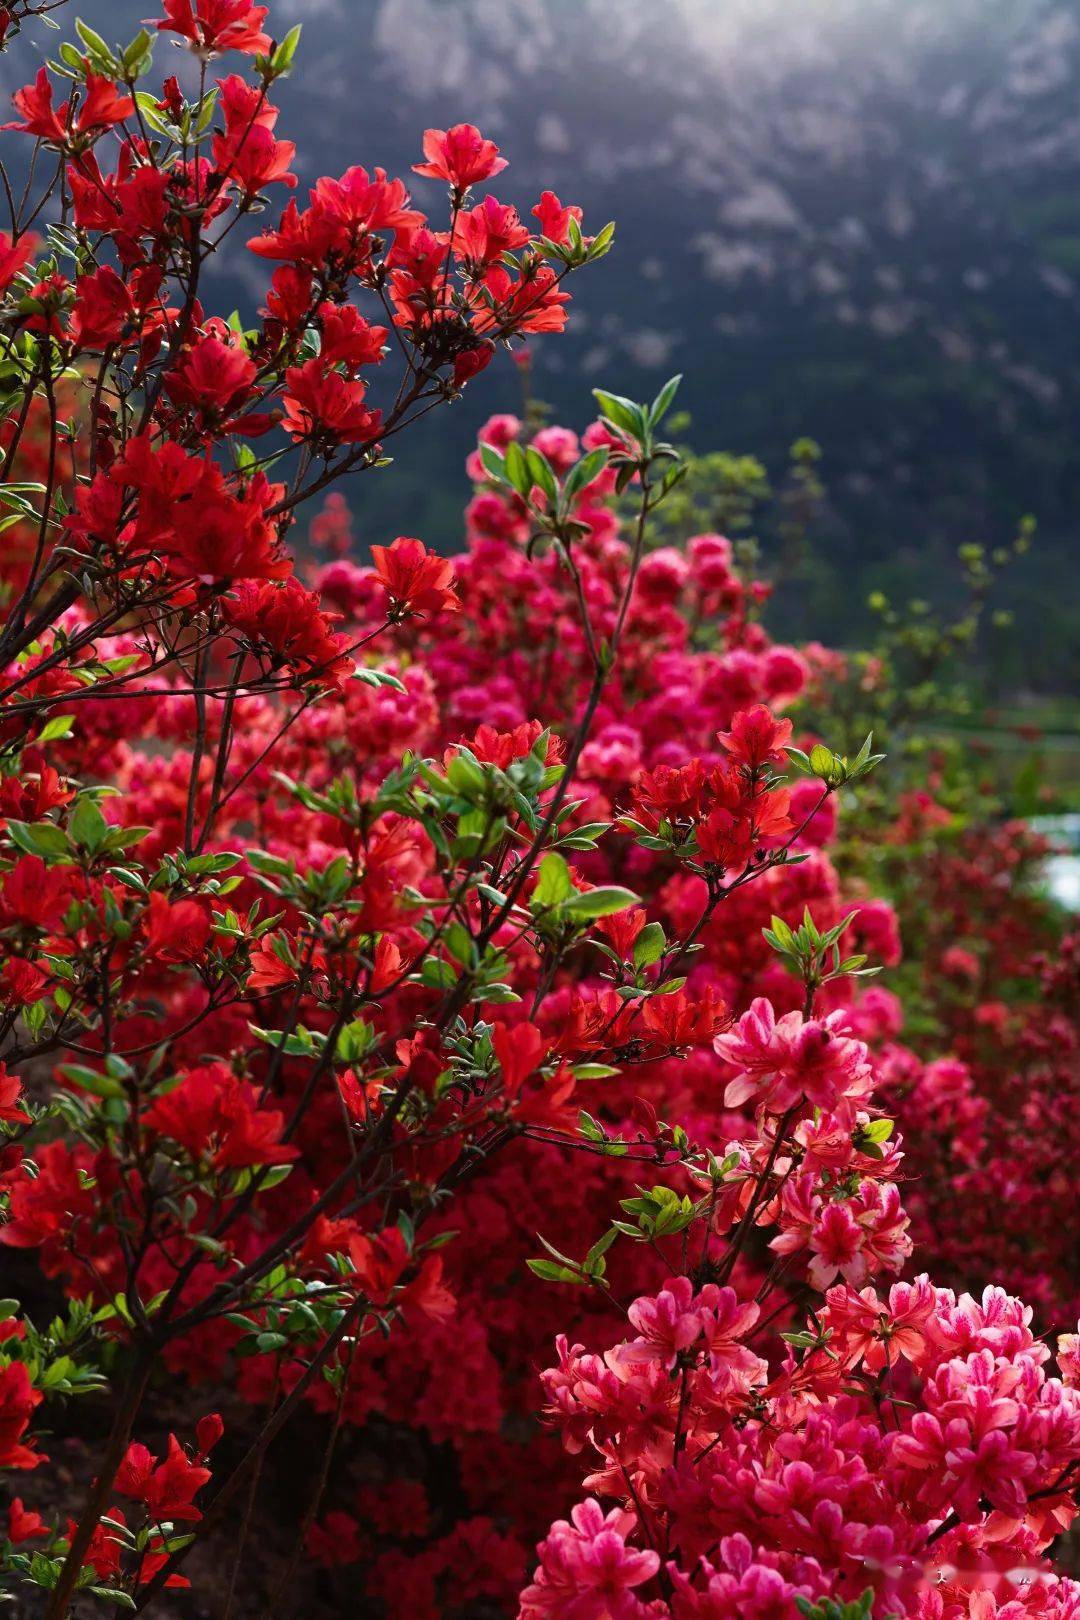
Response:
column 907, row 1443
column 351, row 917
column 978, row 1053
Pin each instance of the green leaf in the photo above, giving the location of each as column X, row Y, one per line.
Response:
column 498, row 994
column 438, row 974
column 58, row 726
column 300, row 1043
column 206, row 112
column 602, row 902
column 600, row 1248
column 517, row 469
column 543, row 474
column 623, row 414
column 493, row 463
column 584, row 471
column 377, row 678
column 44, row 1571
column 96, row 47
column 98, row 1085
column 113, row 1594
column 42, row 838
column 662, row 403
column 550, row 1272
column 14, row 494
column 282, row 59
column 649, row 945
column 273, row 1177
column 554, row 884
column 137, row 54
column 602, row 241
column 459, row 944
column 155, row 120
column 87, row 825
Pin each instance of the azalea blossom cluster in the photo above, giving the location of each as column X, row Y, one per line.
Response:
column 353, row 913
column 976, row 1040
column 160, row 526
column 755, row 1489
column 150, row 594
column 638, row 733
column 1000, row 980
column 904, row 1442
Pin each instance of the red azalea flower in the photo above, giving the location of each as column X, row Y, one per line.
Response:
column 289, row 622
column 348, row 339
column 39, row 116
column 213, row 26
column 14, row 256
column 167, row 1487
column 217, row 535
column 322, row 404
column 213, row 1114
column 40, row 790
column 208, row 1431
column 555, row 217
column 269, row 970
column 334, row 1540
column 248, row 153
column 18, row 1399
column 487, row 231
column 523, row 303
column 459, row 155
column 34, row 895
column 102, row 106
column 10, row 1092
column 417, row 580
column 756, row 739
column 214, row 377
column 520, row 1050
column 104, row 309
column 470, row 362
column 23, row 1523
column 175, row 932
column 21, row 982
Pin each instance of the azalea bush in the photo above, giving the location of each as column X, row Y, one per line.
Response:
column 977, row 1045
column 408, row 965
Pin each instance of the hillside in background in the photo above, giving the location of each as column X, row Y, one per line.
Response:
column 855, row 219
